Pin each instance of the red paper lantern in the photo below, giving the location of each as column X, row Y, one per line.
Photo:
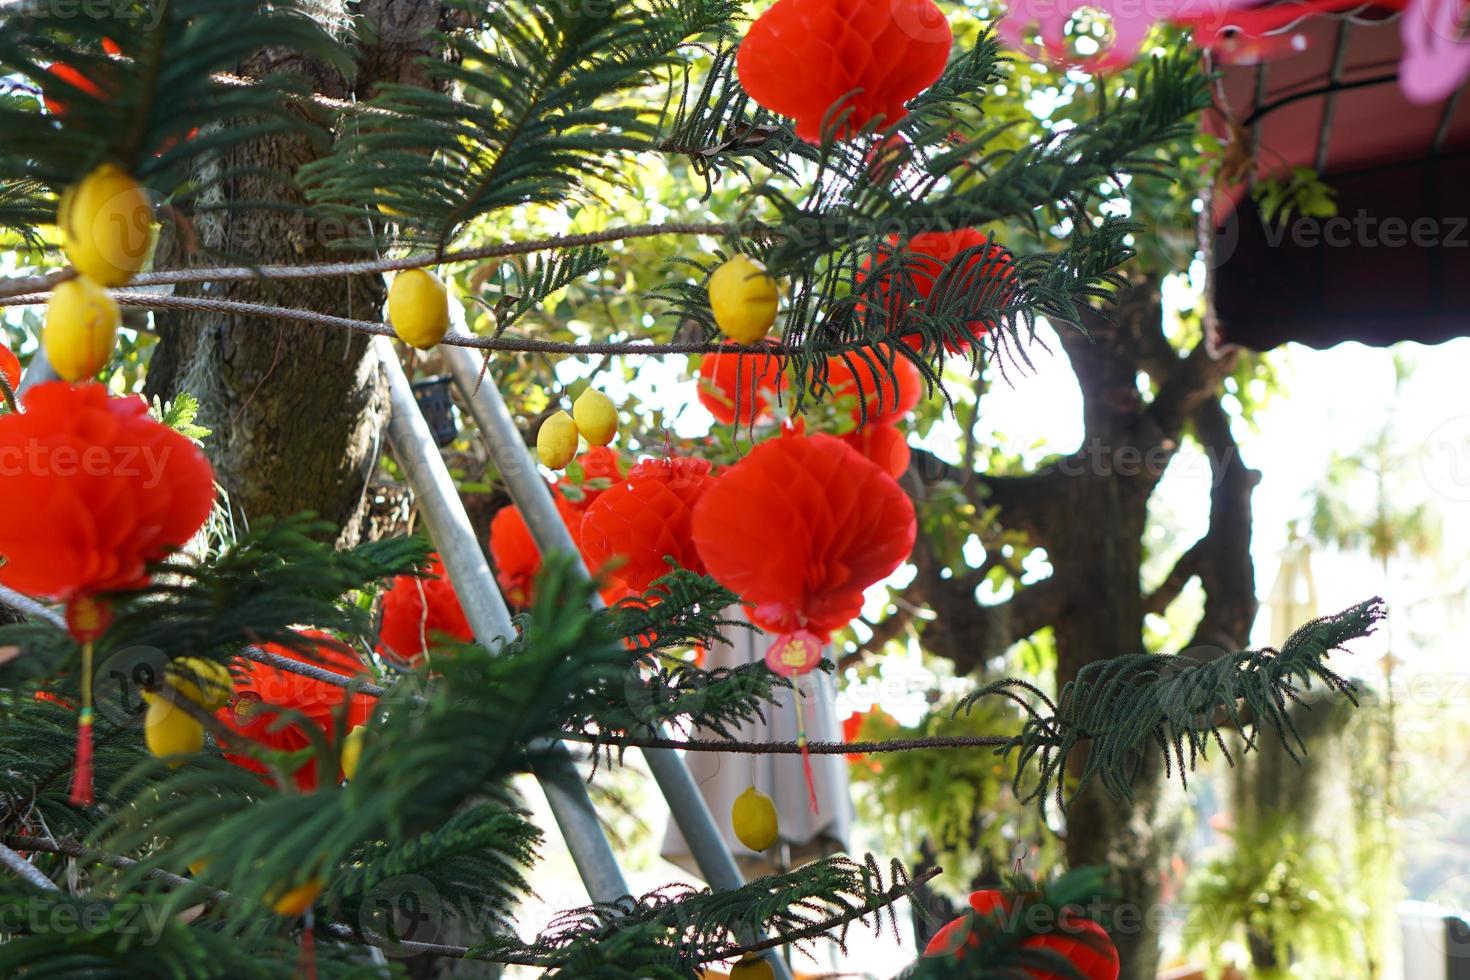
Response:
column 518, row 559
column 70, row 76
column 739, row 386
column 9, row 367
column 809, row 58
column 882, row 444
column 1084, row 943
column 645, row 519
column 259, row 684
column 799, row 528
column 416, row 611
column 602, row 467
column 988, row 276
column 94, row 490
column 887, row 397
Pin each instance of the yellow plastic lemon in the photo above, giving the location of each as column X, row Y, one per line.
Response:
column 297, row 900
column 556, row 442
column 169, row 731
column 205, row 682
column 754, row 819
column 106, row 225
column 418, row 308
column 352, row 750
column 752, row 967
column 596, row 417
column 81, row 329
column 743, row 298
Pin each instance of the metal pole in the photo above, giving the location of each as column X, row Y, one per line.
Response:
column 485, row 608
column 531, row 494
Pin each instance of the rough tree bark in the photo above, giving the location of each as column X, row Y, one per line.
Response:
column 1089, row 511
column 297, row 411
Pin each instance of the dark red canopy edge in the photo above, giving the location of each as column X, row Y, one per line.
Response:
column 1395, row 262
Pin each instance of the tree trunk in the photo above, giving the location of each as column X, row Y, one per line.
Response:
column 297, row 411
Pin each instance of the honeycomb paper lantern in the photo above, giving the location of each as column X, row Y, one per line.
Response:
column 986, row 279
column 258, row 684
column 635, row 526
column 738, row 386
column 799, row 528
column 1084, row 943
column 417, row 611
column 816, row 60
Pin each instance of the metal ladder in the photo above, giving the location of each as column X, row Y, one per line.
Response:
column 485, row 608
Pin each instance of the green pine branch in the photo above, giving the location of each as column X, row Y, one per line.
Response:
column 1119, row 709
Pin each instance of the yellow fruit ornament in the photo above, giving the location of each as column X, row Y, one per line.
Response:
column 418, row 308
column 752, row 967
column 556, row 441
column 352, row 750
column 170, row 731
column 295, row 901
column 743, row 298
column 106, row 225
column 596, row 417
column 81, row 329
column 754, row 818
column 205, row 682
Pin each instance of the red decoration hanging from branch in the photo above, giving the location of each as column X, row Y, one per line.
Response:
column 645, row 519
column 886, row 397
column 94, row 490
column 987, row 278
column 1084, row 943
column 849, row 62
column 259, row 684
column 418, row 611
column 602, row 469
column 738, row 386
column 518, row 559
column 799, row 528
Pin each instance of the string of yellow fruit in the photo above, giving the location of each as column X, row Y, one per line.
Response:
column 106, row 228
column 594, row 418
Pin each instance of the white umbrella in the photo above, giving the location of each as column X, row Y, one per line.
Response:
column 805, row 836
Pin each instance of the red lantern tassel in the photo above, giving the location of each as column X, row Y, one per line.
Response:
column 806, row 756
column 306, row 966
column 81, row 783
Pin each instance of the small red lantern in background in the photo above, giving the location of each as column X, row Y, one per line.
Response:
column 602, row 468
column 518, row 559
column 259, row 684
column 635, row 525
column 738, row 386
column 987, row 279
column 417, row 611
column 799, row 528
column 811, row 58
column 1084, row 943
column 886, row 397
